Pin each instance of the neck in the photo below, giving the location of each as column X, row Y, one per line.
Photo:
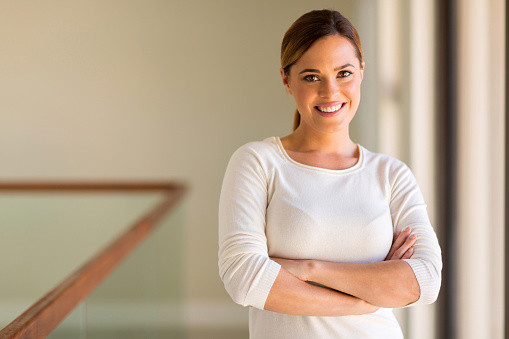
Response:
column 308, row 140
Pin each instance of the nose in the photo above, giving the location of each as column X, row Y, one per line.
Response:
column 329, row 88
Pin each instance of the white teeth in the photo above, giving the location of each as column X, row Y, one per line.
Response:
column 329, row 109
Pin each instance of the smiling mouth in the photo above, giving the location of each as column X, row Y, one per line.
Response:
column 330, row 109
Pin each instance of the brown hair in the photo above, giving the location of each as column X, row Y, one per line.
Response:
column 309, row 28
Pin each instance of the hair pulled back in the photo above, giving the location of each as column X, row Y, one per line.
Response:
column 308, row 29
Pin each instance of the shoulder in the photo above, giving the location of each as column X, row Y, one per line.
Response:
column 395, row 173
column 387, row 165
column 260, row 157
column 373, row 158
column 263, row 146
column 265, row 151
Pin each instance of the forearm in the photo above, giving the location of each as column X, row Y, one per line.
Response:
column 291, row 295
column 384, row 284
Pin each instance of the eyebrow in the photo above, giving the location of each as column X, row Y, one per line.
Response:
column 312, row 70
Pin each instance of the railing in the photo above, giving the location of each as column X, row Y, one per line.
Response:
column 39, row 320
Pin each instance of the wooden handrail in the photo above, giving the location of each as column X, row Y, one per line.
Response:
column 43, row 317
column 89, row 186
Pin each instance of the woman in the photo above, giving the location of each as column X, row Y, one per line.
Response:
column 319, row 235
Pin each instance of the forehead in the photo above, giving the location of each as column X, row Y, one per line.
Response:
column 329, row 52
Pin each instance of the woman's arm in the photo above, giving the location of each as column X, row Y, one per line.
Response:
column 385, row 284
column 291, row 295
column 373, row 282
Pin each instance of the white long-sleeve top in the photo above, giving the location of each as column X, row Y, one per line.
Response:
column 271, row 205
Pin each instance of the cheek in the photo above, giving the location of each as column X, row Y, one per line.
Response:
column 302, row 95
column 352, row 89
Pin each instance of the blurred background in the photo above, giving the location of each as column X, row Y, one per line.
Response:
column 168, row 90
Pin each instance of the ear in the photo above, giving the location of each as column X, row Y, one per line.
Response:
column 362, row 69
column 286, row 80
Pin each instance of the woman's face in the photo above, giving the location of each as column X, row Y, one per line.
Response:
column 325, row 83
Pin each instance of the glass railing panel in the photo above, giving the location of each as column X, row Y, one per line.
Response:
column 143, row 297
column 47, row 236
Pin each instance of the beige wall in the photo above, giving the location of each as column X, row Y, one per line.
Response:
column 153, row 90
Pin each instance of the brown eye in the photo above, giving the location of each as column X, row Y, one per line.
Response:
column 311, row 78
column 344, row 74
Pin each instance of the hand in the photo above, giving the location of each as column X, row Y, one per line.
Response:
column 299, row 268
column 402, row 245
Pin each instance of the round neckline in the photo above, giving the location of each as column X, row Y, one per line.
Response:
column 357, row 165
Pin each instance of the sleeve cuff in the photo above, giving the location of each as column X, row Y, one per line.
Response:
column 427, row 278
column 260, row 288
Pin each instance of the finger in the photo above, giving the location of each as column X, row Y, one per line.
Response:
column 396, row 235
column 394, row 246
column 409, row 242
column 391, row 251
column 400, row 238
column 398, row 252
column 408, row 254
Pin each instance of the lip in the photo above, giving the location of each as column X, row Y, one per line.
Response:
column 330, row 104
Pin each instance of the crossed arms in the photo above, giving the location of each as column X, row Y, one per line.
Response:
column 353, row 288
